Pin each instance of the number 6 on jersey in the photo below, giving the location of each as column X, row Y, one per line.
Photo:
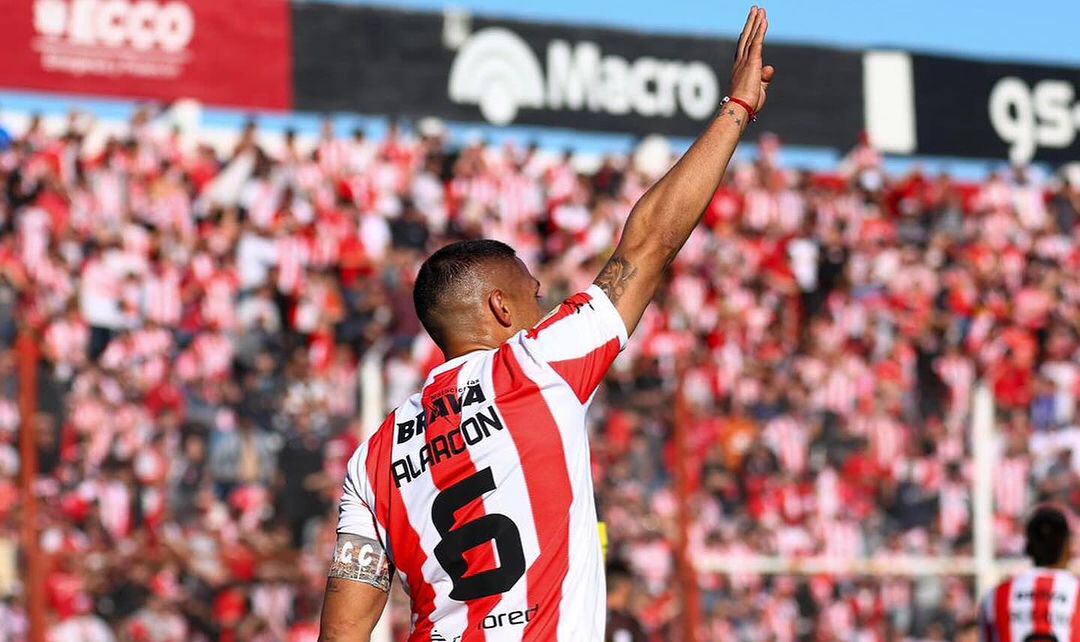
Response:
column 456, row 541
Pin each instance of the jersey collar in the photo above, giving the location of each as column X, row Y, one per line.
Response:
column 451, row 364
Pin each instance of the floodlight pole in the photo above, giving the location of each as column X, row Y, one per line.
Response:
column 372, row 411
column 687, row 571
column 982, row 480
column 27, row 353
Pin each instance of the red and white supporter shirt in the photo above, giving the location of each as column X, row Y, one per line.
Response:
column 479, row 486
column 1039, row 605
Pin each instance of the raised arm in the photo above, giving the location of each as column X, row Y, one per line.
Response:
column 665, row 216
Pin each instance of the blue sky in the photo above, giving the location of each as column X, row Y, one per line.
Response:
column 1033, row 31
column 1041, row 31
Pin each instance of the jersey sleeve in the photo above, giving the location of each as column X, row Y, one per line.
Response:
column 580, row 339
column 355, row 515
column 359, row 554
column 985, row 624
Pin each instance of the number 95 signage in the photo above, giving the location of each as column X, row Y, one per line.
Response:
column 1029, row 117
column 1022, row 113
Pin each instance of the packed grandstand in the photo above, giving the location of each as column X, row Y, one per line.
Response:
column 203, row 313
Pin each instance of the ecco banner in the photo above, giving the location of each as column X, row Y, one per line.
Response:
column 234, row 52
column 509, row 72
column 996, row 110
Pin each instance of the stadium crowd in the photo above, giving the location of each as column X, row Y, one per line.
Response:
column 202, row 315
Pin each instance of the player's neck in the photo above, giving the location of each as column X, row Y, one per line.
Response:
column 487, row 341
column 453, row 352
column 1060, row 565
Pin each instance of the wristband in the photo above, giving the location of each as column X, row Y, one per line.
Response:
column 745, row 105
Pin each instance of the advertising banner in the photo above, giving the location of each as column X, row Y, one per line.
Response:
column 232, row 53
column 509, row 72
column 996, row 110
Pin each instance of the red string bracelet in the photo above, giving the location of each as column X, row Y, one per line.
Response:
column 745, row 105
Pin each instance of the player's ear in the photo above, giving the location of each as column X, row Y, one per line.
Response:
column 497, row 305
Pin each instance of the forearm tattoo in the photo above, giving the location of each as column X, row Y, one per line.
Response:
column 615, row 276
column 361, row 559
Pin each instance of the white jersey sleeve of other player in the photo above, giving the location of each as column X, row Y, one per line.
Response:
column 480, row 489
column 1040, row 605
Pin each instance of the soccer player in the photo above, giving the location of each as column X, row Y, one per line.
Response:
column 622, row 626
column 1043, row 604
column 477, row 490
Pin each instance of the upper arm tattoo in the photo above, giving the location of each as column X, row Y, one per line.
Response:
column 361, row 559
column 615, row 276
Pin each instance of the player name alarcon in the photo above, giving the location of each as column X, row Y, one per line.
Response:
column 438, row 448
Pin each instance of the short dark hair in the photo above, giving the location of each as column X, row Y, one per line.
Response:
column 618, row 574
column 1047, row 536
column 616, row 568
column 444, row 270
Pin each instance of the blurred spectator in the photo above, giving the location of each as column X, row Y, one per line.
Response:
column 622, row 626
column 203, row 318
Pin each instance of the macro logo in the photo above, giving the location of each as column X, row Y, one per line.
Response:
column 142, row 38
column 499, row 72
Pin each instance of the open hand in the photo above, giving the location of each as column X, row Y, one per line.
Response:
column 750, row 77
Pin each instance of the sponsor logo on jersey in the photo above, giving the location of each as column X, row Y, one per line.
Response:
column 498, row 71
column 142, row 38
column 441, row 406
column 1049, row 596
column 494, row 621
column 510, row 618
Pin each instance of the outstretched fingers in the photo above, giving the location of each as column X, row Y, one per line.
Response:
column 749, row 69
column 757, row 41
column 747, row 32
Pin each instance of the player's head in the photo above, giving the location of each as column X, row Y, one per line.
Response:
column 475, row 294
column 620, row 584
column 1048, row 537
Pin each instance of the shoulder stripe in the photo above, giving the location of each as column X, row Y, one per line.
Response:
column 585, row 373
column 565, row 309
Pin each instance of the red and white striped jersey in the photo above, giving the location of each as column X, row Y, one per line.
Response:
column 479, row 487
column 1039, row 605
